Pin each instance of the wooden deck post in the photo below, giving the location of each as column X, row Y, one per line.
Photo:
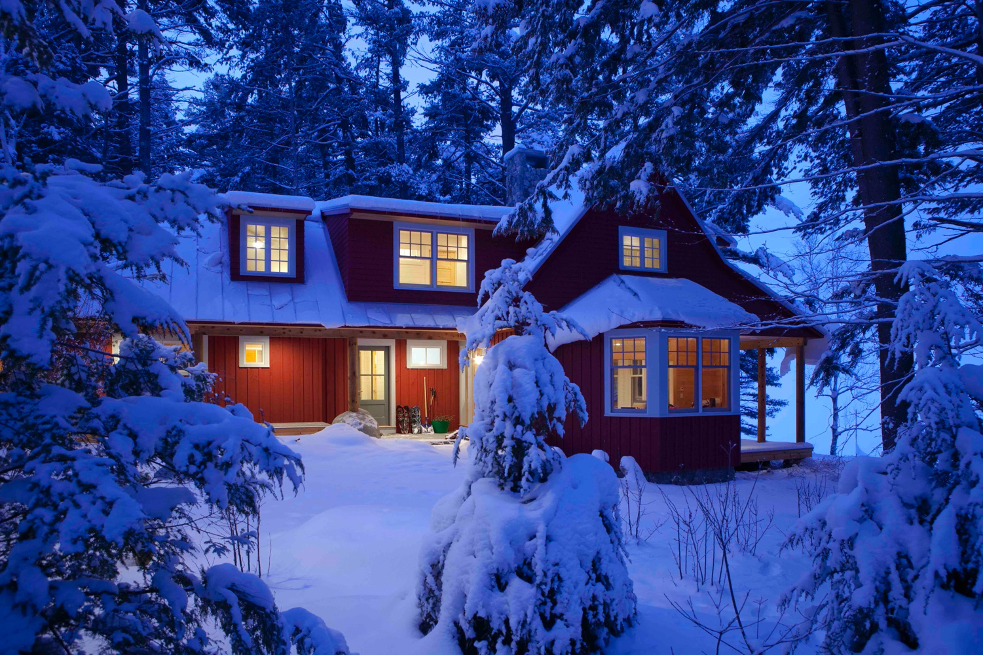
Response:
column 353, row 373
column 761, row 394
column 800, row 394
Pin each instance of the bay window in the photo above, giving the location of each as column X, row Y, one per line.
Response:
column 433, row 257
column 656, row 372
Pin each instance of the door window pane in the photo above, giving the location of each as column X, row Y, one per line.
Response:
column 628, row 373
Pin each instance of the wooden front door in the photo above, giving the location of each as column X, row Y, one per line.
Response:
column 374, row 382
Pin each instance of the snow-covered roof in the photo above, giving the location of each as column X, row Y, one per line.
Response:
column 621, row 299
column 272, row 201
column 204, row 292
column 398, row 206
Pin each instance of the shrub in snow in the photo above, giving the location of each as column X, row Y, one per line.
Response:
column 109, row 464
column 360, row 420
column 527, row 555
column 897, row 550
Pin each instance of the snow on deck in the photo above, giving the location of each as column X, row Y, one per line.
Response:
column 203, row 291
column 399, row 206
column 622, row 299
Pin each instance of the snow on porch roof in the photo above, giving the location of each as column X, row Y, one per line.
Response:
column 398, row 206
column 619, row 300
column 204, row 292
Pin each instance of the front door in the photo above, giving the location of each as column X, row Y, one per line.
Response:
column 374, row 382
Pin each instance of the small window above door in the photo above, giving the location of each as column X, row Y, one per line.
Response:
column 427, row 354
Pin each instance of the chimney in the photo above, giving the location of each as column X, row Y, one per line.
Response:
column 524, row 168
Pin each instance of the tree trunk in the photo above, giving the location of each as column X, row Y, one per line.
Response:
column 121, row 60
column 864, row 80
column 396, row 82
column 143, row 65
column 507, row 122
column 834, row 414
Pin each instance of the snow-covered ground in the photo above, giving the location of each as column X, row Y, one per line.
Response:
column 346, row 547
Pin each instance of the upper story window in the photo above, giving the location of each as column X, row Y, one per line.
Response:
column 434, row 257
column 642, row 249
column 268, row 246
column 655, row 372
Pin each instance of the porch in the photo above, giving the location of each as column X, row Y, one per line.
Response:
column 760, row 449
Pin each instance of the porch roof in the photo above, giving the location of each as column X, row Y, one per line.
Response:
column 203, row 291
column 621, row 299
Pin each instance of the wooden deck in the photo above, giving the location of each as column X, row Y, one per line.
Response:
column 298, row 428
column 753, row 451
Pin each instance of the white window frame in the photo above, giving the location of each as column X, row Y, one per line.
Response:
column 265, row 341
column 433, row 230
column 269, row 222
column 657, row 394
column 642, row 234
column 428, row 343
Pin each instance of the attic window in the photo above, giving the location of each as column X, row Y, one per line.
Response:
column 641, row 249
column 433, row 257
column 267, row 246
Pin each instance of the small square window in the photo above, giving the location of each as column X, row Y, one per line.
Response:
column 426, row 354
column 254, row 352
column 642, row 249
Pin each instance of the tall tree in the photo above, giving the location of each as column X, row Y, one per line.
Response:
column 730, row 100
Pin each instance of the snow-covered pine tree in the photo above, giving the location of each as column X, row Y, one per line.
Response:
column 527, row 556
column 109, row 463
column 897, row 550
column 286, row 118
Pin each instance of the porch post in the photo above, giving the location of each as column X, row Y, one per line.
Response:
column 761, row 394
column 353, row 373
column 800, row 394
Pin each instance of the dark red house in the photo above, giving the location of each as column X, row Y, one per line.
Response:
column 305, row 309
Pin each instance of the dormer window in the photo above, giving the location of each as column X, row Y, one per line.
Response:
column 642, row 249
column 433, row 257
column 268, row 247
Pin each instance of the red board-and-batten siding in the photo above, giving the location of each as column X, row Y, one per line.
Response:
column 364, row 252
column 307, row 379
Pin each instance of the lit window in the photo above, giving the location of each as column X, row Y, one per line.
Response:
column 682, row 372
column 715, row 374
column 628, row 373
column 642, row 249
column 267, row 247
column 452, row 260
column 433, row 258
column 254, row 352
column 425, row 354
column 372, row 374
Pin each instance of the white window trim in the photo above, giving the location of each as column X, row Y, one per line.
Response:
column 269, row 222
column 642, row 233
column 243, row 339
column 433, row 230
column 657, row 397
column 428, row 343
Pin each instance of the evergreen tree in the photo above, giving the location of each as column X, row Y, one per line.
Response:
column 897, row 550
column 503, row 572
column 285, row 120
column 109, row 462
column 748, row 384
